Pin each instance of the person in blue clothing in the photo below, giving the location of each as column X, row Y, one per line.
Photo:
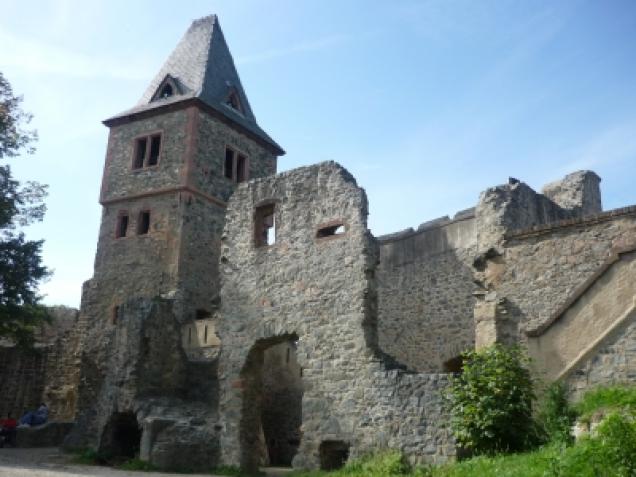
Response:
column 35, row 418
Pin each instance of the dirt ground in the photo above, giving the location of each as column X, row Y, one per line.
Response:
column 51, row 462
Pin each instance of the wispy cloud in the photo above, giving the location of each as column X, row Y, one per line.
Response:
column 315, row 45
column 36, row 57
column 614, row 145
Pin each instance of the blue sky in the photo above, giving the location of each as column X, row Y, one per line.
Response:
column 426, row 102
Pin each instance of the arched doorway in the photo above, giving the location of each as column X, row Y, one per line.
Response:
column 272, row 403
column 121, row 437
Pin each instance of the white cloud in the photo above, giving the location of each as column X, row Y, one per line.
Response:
column 613, row 145
column 35, row 57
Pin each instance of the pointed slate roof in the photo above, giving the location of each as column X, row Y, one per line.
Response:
column 202, row 67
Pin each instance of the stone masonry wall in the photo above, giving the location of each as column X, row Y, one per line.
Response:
column 542, row 267
column 120, row 180
column 208, row 169
column 49, row 374
column 613, row 363
column 319, row 292
column 425, row 287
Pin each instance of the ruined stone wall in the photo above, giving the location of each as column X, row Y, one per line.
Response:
column 543, row 266
column 319, row 292
column 425, row 287
column 597, row 307
column 137, row 366
column 198, row 261
column 48, row 374
column 613, row 363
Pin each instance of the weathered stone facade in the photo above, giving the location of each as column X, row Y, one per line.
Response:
column 240, row 317
column 48, row 374
column 319, row 292
column 425, row 293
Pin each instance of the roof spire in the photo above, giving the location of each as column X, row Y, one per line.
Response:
column 201, row 66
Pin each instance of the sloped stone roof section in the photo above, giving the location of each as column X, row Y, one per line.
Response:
column 204, row 69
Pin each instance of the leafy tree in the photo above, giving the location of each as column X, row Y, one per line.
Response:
column 21, row 266
column 491, row 401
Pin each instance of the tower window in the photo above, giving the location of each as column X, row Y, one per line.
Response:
column 122, row 225
column 166, row 91
column 229, row 163
column 140, row 152
column 147, row 151
column 235, row 166
column 241, row 168
column 265, row 225
column 155, row 145
column 143, row 222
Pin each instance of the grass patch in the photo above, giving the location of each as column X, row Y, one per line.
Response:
column 137, row 465
column 619, row 398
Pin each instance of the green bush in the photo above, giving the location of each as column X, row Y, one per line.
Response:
column 490, row 402
column 556, row 416
column 611, row 452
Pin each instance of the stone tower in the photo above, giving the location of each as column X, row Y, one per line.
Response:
column 172, row 162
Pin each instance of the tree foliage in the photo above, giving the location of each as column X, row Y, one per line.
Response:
column 21, row 267
column 491, row 401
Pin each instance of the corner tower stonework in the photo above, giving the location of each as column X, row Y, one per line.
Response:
column 172, row 162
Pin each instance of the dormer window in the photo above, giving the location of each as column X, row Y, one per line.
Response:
column 166, row 89
column 233, row 100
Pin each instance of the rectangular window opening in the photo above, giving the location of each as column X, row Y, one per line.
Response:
column 122, row 226
column 202, row 314
column 265, row 223
column 115, row 315
column 143, row 222
column 155, row 147
column 229, row 163
column 140, row 152
column 205, row 334
column 331, row 230
column 241, row 168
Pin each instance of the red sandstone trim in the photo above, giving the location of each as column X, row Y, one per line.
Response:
column 149, row 135
column 614, row 257
column 192, row 133
column 168, row 190
column 562, row 224
column 201, row 105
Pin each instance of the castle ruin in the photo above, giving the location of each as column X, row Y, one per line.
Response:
column 238, row 316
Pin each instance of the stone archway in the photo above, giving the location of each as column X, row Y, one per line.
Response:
column 271, row 411
column 121, row 437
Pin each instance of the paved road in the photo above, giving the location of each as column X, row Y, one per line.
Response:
column 51, row 462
